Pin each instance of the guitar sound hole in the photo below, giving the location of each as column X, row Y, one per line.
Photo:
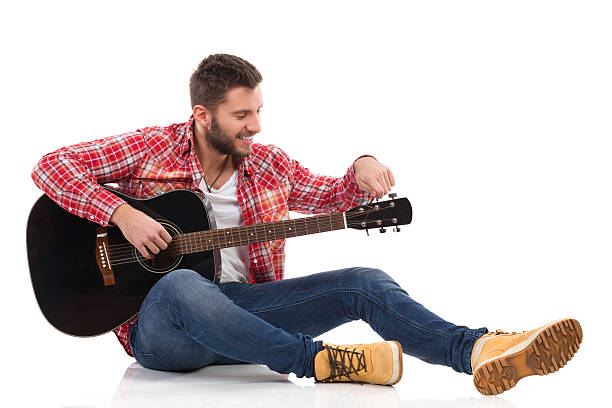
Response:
column 162, row 262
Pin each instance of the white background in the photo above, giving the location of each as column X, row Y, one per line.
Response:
column 493, row 116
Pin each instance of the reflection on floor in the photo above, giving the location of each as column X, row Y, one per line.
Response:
column 257, row 386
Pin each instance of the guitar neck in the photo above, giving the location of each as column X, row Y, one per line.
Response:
column 238, row 236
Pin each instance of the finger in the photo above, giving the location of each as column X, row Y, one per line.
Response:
column 391, row 176
column 387, row 180
column 165, row 235
column 382, row 186
column 160, row 243
column 378, row 189
column 152, row 247
column 366, row 187
column 143, row 251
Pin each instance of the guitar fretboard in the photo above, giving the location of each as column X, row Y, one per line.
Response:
column 231, row 237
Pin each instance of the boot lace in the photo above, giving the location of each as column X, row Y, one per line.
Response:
column 499, row 332
column 337, row 357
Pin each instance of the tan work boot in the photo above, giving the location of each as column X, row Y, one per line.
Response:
column 500, row 359
column 376, row 363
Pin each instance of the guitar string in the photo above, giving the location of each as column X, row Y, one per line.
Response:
column 176, row 249
column 139, row 257
column 129, row 246
column 179, row 244
column 117, row 251
column 302, row 230
column 256, row 225
column 194, row 237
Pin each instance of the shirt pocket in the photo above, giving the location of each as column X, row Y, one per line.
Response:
column 149, row 187
column 274, row 209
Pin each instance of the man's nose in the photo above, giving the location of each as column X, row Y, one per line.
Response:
column 254, row 124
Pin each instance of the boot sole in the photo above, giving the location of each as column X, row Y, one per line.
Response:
column 550, row 350
column 398, row 368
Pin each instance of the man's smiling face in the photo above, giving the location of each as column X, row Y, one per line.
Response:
column 236, row 121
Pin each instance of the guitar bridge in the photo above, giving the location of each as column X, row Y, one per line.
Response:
column 102, row 257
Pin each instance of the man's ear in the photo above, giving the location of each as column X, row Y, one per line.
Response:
column 202, row 115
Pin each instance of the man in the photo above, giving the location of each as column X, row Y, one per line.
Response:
column 253, row 315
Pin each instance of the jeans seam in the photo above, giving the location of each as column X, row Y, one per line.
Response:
column 467, row 358
column 177, row 367
column 168, row 305
column 362, row 293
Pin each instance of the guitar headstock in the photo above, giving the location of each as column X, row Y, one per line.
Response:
column 380, row 214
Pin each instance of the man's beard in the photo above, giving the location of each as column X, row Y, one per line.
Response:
column 222, row 142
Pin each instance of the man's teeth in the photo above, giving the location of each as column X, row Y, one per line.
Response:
column 245, row 137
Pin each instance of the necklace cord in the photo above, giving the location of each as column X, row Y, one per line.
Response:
column 218, row 175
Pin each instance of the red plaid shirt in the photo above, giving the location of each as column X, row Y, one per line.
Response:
column 153, row 160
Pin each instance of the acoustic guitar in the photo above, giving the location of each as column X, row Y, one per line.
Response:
column 89, row 279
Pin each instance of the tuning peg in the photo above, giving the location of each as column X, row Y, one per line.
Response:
column 396, row 229
column 382, row 230
column 368, row 233
column 392, row 195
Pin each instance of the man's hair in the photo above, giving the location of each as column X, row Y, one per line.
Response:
column 216, row 75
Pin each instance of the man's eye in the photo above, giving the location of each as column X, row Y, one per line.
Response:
column 241, row 116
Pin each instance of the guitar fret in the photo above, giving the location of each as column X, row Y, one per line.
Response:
column 238, row 232
column 303, row 226
column 211, row 240
column 221, row 239
column 279, row 226
column 232, row 240
column 269, row 230
column 290, row 229
column 215, row 239
column 252, row 233
column 243, row 236
column 323, row 219
column 223, row 236
column 239, row 236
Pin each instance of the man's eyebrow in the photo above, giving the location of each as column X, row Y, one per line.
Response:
column 244, row 110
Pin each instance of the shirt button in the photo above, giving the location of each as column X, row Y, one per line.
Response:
column 255, row 261
column 91, row 216
column 69, row 208
column 244, row 200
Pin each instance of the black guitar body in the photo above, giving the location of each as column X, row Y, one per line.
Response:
column 89, row 280
column 67, row 281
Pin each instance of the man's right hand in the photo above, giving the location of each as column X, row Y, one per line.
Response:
column 146, row 234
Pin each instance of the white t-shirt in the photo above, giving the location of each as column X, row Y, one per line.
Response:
column 224, row 202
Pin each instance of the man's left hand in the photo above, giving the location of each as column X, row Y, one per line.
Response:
column 373, row 176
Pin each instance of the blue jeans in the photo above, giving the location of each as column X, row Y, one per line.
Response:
column 187, row 322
